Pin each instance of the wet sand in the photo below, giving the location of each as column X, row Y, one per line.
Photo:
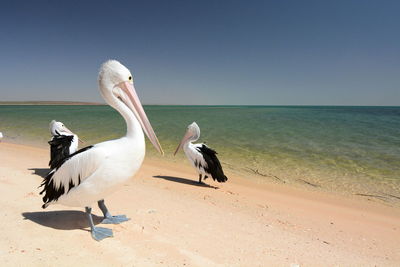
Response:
column 177, row 222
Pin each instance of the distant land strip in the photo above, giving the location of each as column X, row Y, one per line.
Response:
column 48, row 103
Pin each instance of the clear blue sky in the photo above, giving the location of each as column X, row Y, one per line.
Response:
column 205, row 52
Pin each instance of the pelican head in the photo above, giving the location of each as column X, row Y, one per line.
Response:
column 117, row 88
column 192, row 134
column 58, row 128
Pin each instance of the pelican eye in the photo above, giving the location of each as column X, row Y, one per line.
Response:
column 130, row 78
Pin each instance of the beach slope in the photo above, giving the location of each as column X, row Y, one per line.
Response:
column 176, row 222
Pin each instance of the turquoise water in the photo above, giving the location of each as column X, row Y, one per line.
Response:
column 354, row 149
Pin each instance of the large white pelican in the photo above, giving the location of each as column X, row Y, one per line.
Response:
column 62, row 144
column 92, row 173
column 203, row 158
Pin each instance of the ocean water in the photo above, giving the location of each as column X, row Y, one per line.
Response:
column 342, row 149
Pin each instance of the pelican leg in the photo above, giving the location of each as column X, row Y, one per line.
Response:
column 200, row 178
column 108, row 218
column 98, row 233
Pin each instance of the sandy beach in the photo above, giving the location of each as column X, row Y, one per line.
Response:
column 176, row 222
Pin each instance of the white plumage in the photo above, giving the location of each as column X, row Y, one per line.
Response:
column 58, row 128
column 99, row 171
column 202, row 158
column 195, row 157
column 94, row 172
column 62, row 144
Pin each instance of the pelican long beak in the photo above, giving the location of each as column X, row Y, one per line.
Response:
column 70, row 132
column 134, row 104
column 67, row 130
column 185, row 138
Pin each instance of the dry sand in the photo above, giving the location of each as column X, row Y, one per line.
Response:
column 176, row 222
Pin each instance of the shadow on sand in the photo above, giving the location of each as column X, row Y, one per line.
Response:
column 184, row 181
column 42, row 172
column 61, row 219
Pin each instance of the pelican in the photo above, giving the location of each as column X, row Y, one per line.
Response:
column 91, row 173
column 1, row 136
column 203, row 158
column 62, row 144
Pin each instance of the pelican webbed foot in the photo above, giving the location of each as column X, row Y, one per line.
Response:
column 108, row 218
column 115, row 219
column 98, row 233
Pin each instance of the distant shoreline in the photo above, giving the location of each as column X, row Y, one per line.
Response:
column 65, row 103
column 78, row 103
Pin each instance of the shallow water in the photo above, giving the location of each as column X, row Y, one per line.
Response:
column 352, row 149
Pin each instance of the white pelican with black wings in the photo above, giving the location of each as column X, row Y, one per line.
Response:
column 62, row 144
column 203, row 158
column 92, row 173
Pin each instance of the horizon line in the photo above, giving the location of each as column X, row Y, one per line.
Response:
column 81, row 103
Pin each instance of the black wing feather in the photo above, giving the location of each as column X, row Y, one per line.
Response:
column 51, row 193
column 59, row 149
column 213, row 165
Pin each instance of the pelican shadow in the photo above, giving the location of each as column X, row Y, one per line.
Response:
column 42, row 172
column 184, row 181
column 61, row 219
